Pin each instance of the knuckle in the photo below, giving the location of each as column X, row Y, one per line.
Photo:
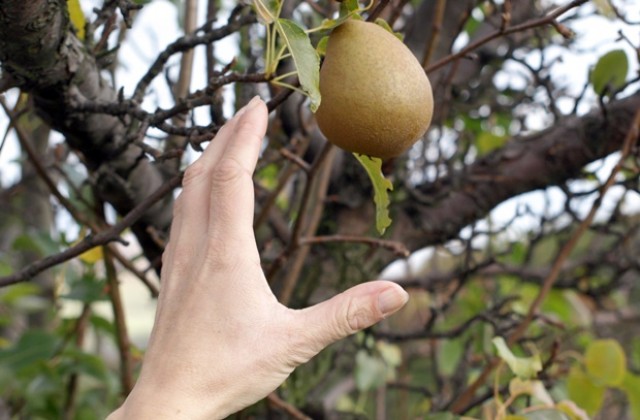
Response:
column 227, row 171
column 358, row 316
column 178, row 260
column 195, row 171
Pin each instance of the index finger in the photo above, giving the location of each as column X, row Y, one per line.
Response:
column 232, row 194
column 192, row 208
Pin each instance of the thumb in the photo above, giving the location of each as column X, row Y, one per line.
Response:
column 351, row 311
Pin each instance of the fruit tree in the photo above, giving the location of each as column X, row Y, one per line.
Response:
column 497, row 179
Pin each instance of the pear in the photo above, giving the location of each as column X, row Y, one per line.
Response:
column 376, row 98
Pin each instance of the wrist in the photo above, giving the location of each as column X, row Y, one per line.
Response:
column 144, row 404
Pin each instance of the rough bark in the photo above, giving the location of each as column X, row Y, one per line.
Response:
column 40, row 51
column 549, row 157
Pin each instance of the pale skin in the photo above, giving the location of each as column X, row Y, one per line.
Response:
column 221, row 341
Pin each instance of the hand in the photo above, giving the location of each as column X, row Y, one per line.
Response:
column 221, row 341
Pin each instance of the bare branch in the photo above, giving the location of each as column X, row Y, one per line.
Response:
column 549, row 19
column 396, row 247
column 91, row 241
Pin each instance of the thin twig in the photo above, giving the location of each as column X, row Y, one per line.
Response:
column 378, row 10
column 534, row 23
column 317, row 191
column 306, row 224
column 283, row 180
column 506, row 15
column 186, row 43
column 282, row 405
column 299, row 223
column 288, row 154
column 438, row 17
column 556, row 268
column 39, row 167
column 91, row 241
column 79, row 333
column 120, row 323
column 396, row 247
column 181, row 88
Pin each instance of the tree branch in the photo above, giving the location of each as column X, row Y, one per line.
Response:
column 38, row 48
column 92, row 241
column 553, row 156
column 549, row 19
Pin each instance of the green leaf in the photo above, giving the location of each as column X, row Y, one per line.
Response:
column 381, row 188
column 370, row 372
column 385, row 25
column 76, row 361
column 5, row 269
column 534, row 388
column 546, row 414
column 610, row 72
column 390, row 353
column 518, row 253
column 328, row 24
column 348, row 7
column 87, row 289
column 39, row 243
column 487, row 142
column 604, row 8
column 268, row 176
column 12, row 294
column 346, row 404
column 321, row 48
column 450, row 353
column 583, row 391
column 305, row 58
column 523, row 367
column 32, row 347
column 631, row 386
column 571, row 410
column 606, row 362
column 103, row 324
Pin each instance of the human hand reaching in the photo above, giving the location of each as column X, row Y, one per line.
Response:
column 221, row 341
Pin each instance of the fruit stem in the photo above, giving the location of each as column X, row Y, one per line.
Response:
column 281, row 55
column 277, row 81
column 267, row 53
column 284, row 76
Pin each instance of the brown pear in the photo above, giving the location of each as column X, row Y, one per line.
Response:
column 376, row 98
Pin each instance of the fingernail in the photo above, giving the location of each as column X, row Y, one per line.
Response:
column 391, row 300
column 250, row 105
column 253, row 102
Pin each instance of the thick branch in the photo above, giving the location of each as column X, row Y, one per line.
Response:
column 550, row 157
column 39, row 49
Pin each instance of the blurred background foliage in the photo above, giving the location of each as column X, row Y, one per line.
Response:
column 519, row 208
